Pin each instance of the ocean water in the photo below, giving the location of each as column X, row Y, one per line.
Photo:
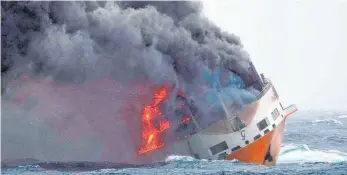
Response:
column 314, row 144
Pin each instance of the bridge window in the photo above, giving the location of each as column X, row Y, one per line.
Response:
column 236, row 124
column 219, row 147
column 263, row 124
column 275, row 113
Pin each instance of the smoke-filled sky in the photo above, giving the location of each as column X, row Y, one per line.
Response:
column 300, row 45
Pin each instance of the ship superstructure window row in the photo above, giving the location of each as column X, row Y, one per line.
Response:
column 275, row 92
column 275, row 113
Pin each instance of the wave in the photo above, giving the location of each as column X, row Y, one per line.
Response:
column 342, row 116
column 294, row 153
column 291, row 153
column 329, row 120
column 179, row 158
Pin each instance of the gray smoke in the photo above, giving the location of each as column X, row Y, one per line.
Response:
column 76, row 43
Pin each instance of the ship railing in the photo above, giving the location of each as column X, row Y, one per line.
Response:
column 267, row 86
column 290, row 108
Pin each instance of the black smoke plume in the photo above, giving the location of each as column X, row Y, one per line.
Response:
column 77, row 43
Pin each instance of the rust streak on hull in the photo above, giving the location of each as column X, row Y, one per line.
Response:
column 276, row 142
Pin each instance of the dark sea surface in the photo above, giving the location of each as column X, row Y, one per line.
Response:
column 315, row 143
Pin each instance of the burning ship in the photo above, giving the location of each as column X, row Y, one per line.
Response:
column 251, row 133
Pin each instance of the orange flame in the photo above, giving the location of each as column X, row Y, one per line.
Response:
column 181, row 94
column 150, row 138
column 150, row 134
column 185, row 120
column 164, row 125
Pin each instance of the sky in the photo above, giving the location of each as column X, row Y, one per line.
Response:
column 300, row 45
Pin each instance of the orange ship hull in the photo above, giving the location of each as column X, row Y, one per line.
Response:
column 263, row 151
